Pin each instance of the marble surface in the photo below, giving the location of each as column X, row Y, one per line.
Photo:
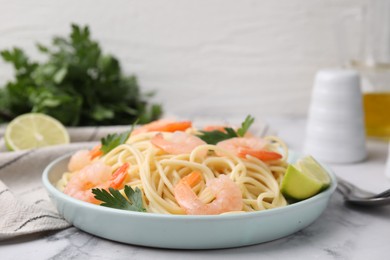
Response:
column 341, row 232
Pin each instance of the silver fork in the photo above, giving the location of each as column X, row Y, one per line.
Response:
column 354, row 195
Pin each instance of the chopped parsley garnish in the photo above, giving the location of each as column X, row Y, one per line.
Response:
column 113, row 140
column 215, row 136
column 114, row 199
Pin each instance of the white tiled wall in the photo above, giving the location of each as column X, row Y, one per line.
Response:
column 258, row 56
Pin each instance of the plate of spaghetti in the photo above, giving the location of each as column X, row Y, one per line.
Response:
column 170, row 185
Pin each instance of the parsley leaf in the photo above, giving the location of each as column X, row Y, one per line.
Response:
column 114, row 199
column 113, row 140
column 75, row 82
column 245, row 125
column 216, row 136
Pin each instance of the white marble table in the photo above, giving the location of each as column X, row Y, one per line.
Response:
column 341, row 232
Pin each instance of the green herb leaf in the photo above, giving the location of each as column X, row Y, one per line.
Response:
column 114, row 199
column 216, row 136
column 113, row 140
column 90, row 85
column 245, row 125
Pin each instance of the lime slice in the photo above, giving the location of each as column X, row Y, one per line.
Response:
column 305, row 179
column 34, row 130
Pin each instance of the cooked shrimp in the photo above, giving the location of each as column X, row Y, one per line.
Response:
column 82, row 158
column 227, row 194
column 96, row 152
column 163, row 125
column 95, row 175
column 243, row 146
column 211, row 128
column 178, row 143
column 79, row 160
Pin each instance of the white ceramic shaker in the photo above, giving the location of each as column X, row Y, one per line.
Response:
column 335, row 129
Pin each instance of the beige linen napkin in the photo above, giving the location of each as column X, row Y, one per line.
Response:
column 24, row 204
column 25, row 207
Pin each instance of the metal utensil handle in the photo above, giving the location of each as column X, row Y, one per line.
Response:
column 384, row 194
column 350, row 189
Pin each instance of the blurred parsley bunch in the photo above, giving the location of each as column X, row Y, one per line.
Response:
column 78, row 85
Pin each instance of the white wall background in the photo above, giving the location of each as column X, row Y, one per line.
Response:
column 220, row 53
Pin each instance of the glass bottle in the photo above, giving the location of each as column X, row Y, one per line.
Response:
column 364, row 42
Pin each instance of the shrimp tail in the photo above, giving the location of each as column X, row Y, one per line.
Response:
column 96, row 152
column 176, row 126
column 259, row 154
column 163, row 126
column 119, row 176
column 192, row 179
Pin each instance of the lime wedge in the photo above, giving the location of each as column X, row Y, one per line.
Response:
column 309, row 165
column 34, row 130
column 305, row 179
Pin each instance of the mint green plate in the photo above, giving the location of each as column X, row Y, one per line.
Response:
column 184, row 232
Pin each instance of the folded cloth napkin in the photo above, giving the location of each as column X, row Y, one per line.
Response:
column 25, row 207
column 24, row 204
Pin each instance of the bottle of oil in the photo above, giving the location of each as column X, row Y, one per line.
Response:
column 376, row 98
column 377, row 114
column 366, row 48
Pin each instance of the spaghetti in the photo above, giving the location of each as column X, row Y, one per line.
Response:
column 157, row 172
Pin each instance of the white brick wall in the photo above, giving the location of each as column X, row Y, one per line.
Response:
column 257, row 56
